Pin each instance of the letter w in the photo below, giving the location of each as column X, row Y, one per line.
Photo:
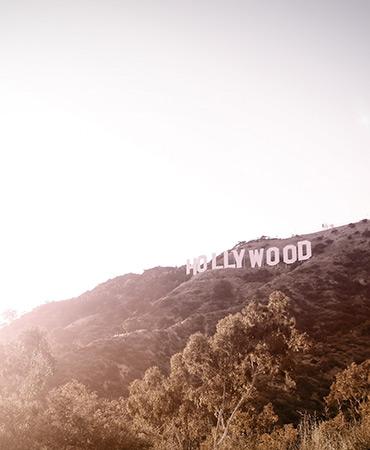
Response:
column 255, row 257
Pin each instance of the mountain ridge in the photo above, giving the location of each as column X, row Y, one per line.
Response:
column 110, row 335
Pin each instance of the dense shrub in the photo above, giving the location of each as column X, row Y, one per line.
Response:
column 213, row 398
column 223, row 290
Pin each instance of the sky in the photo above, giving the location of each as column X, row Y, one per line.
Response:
column 137, row 134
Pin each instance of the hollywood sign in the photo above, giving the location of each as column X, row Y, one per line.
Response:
column 254, row 258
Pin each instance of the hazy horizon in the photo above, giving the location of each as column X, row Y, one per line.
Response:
column 135, row 135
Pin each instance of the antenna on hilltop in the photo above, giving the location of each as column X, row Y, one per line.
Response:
column 326, row 226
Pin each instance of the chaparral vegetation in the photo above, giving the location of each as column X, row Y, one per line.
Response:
column 275, row 358
column 225, row 391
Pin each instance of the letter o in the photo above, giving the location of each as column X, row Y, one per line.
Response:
column 290, row 249
column 276, row 258
column 202, row 263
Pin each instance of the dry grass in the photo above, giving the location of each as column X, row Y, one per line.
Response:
column 335, row 434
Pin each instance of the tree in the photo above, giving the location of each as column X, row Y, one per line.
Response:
column 249, row 351
column 27, row 364
column 75, row 418
column 351, row 388
column 215, row 382
column 9, row 315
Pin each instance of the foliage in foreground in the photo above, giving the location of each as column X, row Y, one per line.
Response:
column 213, row 398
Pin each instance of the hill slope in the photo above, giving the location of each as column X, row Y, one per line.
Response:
column 108, row 336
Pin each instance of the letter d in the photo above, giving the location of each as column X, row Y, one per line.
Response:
column 304, row 250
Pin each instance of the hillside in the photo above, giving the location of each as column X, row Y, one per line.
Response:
column 108, row 336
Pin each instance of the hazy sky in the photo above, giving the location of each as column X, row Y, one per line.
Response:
column 142, row 133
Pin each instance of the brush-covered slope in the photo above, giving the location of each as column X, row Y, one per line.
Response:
column 110, row 335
